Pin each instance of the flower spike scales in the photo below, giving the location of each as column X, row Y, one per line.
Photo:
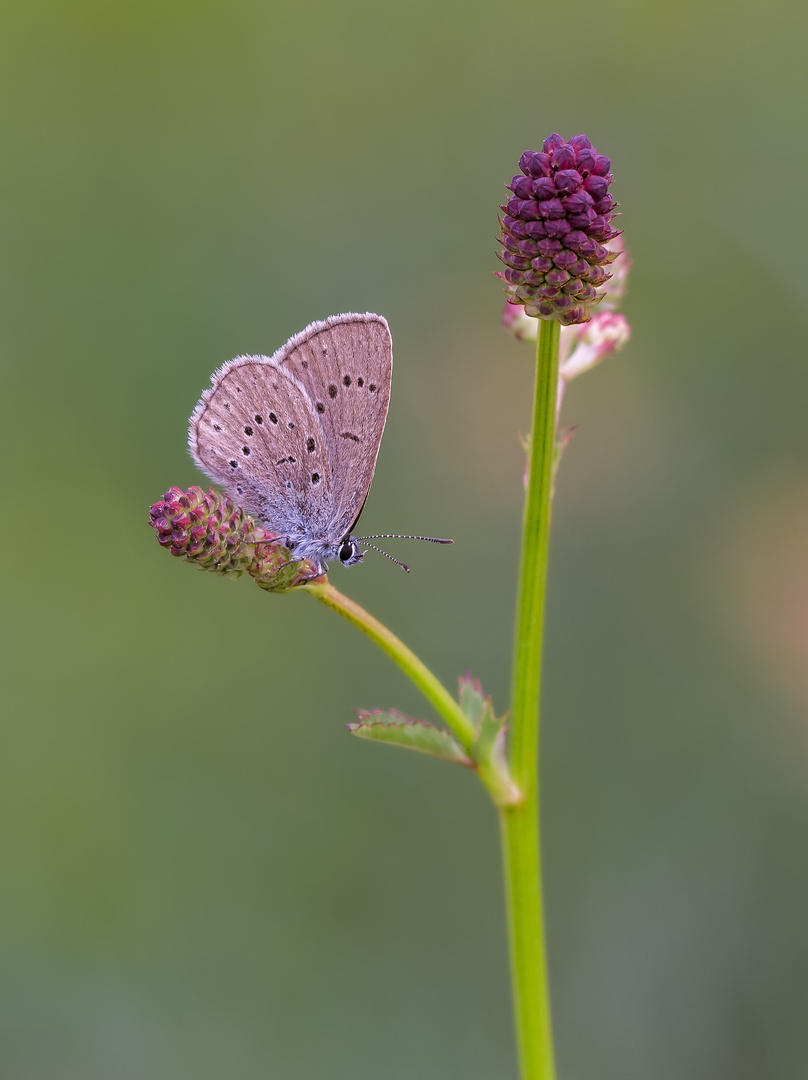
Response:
column 556, row 228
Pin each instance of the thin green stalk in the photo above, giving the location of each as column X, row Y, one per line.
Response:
column 520, row 824
column 432, row 689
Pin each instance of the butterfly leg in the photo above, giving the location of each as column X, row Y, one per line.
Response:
column 319, row 572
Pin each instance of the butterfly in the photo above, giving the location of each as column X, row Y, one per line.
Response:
column 294, row 437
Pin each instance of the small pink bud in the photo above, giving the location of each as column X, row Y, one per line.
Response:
column 224, row 539
column 551, row 143
column 605, row 333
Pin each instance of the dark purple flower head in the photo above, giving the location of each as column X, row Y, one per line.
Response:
column 555, row 230
column 208, row 529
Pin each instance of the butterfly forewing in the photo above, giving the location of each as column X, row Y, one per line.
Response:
column 345, row 364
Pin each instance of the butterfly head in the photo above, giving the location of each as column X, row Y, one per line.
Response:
column 347, row 550
column 349, row 553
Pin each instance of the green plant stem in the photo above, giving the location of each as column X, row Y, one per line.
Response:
column 520, row 824
column 432, row 689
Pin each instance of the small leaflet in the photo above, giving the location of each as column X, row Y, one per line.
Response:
column 391, row 726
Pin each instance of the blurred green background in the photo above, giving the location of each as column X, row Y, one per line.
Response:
column 203, row 875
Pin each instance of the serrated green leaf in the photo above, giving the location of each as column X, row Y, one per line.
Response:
column 492, row 762
column 471, row 697
column 393, row 727
column 488, row 732
column 488, row 751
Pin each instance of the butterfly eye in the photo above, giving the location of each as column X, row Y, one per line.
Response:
column 349, row 553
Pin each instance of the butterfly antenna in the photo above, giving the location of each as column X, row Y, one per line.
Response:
column 387, row 556
column 402, row 536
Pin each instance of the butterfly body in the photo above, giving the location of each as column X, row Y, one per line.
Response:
column 294, row 437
